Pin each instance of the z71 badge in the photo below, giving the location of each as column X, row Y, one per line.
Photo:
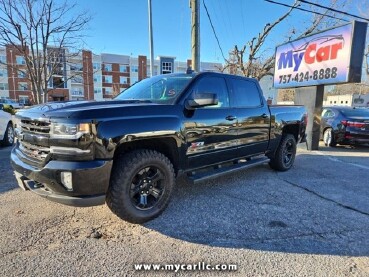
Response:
column 197, row 144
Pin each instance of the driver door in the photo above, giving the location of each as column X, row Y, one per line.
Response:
column 210, row 132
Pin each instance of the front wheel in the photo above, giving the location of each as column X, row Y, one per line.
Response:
column 9, row 135
column 140, row 185
column 285, row 155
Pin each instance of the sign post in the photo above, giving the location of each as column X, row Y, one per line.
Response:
column 330, row 57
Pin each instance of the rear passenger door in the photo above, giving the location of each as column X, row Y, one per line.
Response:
column 253, row 116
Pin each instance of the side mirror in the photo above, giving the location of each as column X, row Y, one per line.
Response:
column 201, row 100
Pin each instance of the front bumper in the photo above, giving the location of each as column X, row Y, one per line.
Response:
column 90, row 180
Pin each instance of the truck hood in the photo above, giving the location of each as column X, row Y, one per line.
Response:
column 69, row 109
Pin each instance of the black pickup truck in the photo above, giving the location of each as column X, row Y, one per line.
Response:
column 127, row 152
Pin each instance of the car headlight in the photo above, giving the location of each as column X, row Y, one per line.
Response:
column 69, row 131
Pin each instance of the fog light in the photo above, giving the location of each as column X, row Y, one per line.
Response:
column 66, row 179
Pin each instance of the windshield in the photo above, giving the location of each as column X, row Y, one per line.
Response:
column 161, row 89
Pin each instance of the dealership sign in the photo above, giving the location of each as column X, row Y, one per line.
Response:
column 329, row 57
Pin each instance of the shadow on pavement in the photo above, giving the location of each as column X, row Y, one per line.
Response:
column 345, row 148
column 312, row 209
column 7, row 179
column 320, row 206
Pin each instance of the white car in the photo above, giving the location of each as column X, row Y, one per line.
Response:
column 6, row 127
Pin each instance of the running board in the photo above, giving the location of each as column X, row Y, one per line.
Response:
column 220, row 171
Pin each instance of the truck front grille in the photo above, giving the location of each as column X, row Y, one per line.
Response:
column 35, row 126
column 36, row 154
column 33, row 142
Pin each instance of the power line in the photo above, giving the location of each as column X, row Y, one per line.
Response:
column 212, row 26
column 243, row 19
column 334, row 10
column 302, row 9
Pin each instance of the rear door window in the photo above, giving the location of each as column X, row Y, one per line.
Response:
column 245, row 93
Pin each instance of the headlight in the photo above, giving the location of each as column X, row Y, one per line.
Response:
column 69, row 131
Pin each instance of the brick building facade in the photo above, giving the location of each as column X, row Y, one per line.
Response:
column 85, row 76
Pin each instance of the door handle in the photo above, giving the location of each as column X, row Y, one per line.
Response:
column 264, row 115
column 231, row 118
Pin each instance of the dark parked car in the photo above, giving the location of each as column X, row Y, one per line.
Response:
column 344, row 125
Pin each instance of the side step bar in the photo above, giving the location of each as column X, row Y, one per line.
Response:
column 214, row 173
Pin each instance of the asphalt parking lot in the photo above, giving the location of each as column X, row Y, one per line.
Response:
column 310, row 221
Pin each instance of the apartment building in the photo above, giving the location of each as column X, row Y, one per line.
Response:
column 85, row 76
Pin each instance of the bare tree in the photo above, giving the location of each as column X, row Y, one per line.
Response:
column 43, row 32
column 251, row 60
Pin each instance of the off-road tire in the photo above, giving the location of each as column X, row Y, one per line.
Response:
column 127, row 169
column 285, row 155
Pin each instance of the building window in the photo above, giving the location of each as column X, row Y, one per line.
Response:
column 20, row 60
column 3, row 72
column 23, row 99
column 22, row 86
column 77, row 92
column 22, row 74
column 331, row 102
column 346, row 102
column 4, row 86
column 123, row 80
column 108, row 79
column 96, row 66
column 107, row 67
column 335, row 102
column 2, row 59
column 97, row 78
column 76, row 67
column 341, row 102
column 58, row 82
column 134, row 68
column 77, row 79
column 97, row 90
column 123, row 68
column 166, row 67
column 108, row 91
column 134, row 80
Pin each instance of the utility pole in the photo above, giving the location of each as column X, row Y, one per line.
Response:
column 195, row 34
column 151, row 40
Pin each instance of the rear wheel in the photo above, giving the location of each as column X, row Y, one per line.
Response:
column 328, row 138
column 141, row 185
column 9, row 135
column 285, row 154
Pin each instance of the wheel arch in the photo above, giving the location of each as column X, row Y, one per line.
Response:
column 292, row 129
column 167, row 146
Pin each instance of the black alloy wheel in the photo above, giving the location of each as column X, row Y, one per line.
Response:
column 147, row 188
